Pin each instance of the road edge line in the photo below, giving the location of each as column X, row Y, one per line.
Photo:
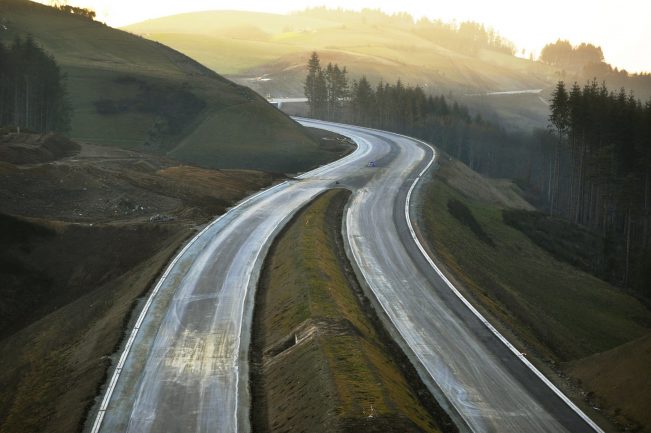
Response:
column 143, row 313
column 108, row 393
column 427, row 257
column 467, row 303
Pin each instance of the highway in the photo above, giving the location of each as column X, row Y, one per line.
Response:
column 185, row 368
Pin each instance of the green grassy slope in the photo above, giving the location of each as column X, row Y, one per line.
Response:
column 553, row 311
column 107, row 64
column 321, row 361
column 563, row 313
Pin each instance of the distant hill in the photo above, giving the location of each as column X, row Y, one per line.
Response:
column 586, row 61
column 134, row 93
column 372, row 44
column 268, row 52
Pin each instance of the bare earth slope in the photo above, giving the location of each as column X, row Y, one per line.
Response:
column 620, row 380
column 84, row 232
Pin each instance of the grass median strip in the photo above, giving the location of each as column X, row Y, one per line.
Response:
column 321, row 362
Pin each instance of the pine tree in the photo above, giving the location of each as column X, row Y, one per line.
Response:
column 337, row 90
column 32, row 89
column 363, row 102
column 315, row 88
column 559, row 119
column 331, row 98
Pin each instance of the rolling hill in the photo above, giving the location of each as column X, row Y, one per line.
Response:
column 277, row 44
column 130, row 92
column 267, row 52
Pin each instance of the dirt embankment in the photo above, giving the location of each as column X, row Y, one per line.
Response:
column 320, row 359
column 620, row 381
column 106, row 185
column 32, row 148
column 84, row 233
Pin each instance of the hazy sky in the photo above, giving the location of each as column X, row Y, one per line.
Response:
column 622, row 28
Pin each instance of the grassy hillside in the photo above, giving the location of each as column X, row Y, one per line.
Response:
column 131, row 92
column 322, row 361
column 554, row 311
column 249, row 46
column 365, row 46
column 52, row 369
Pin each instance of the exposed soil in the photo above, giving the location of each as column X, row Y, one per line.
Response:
column 619, row 381
column 331, row 141
column 84, row 232
column 19, row 148
column 99, row 184
column 321, row 360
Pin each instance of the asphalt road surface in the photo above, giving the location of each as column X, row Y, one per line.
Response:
column 185, row 367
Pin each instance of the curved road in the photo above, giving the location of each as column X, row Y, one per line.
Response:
column 184, row 368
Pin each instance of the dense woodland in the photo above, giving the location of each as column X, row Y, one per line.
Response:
column 326, row 89
column 406, row 109
column 592, row 167
column 600, row 171
column 32, row 89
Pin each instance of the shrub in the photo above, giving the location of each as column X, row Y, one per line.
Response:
column 461, row 212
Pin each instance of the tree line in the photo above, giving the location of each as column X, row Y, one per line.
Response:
column 591, row 167
column 600, row 171
column 63, row 6
column 562, row 53
column 586, row 61
column 74, row 10
column 326, row 89
column 32, row 89
column 408, row 110
column 467, row 37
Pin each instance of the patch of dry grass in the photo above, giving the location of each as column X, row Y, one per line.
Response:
column 620, row 381
column 313, row 330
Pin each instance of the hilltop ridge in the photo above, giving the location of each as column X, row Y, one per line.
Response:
column 268, row 53
column 134, row 93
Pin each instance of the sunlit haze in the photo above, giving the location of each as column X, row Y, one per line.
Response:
column 621, row 28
